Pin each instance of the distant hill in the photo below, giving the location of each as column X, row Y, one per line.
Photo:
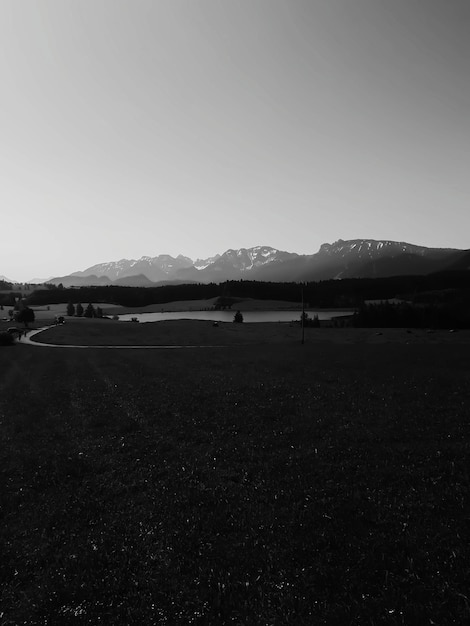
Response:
column 39, row 281
column 356, row 258
column 80, row 281
column 139, row 280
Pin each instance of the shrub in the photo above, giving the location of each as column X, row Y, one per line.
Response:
column 238, row 318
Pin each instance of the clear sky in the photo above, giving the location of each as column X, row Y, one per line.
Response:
column 146, row 127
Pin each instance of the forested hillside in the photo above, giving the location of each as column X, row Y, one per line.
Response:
column 439, row 287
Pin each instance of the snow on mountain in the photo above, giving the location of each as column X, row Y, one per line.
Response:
column 157, row 268
column 201, row 264
column 246, row 259
column 372, row 258
column 376, row 248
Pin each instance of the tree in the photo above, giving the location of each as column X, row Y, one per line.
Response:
column 238, row 318
column 99, row 312
column 25, row 316
column 79, row 310
column 90, row 311
column 70, row 309
column 308, row 322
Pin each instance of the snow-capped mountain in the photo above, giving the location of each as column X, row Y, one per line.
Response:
column 370, row 248
column 357, row 258
column 362, row 258
column 162, row 267
column 201, row 264
column 247, row 259
column 235, row 264
column 166, row 268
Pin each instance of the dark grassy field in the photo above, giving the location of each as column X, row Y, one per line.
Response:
column 95, row 332
column 84, row 331
column 260, row 484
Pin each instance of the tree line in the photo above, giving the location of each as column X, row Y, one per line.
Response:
column 350, row 292
column 124, row 296
column 79, row 311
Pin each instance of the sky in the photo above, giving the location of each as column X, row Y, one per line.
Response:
column 147, row 127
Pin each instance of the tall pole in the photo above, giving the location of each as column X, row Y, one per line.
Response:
column 302, row 321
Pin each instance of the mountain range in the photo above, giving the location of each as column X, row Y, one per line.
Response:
column 356, row 258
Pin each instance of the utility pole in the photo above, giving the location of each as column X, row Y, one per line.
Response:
column 302, row 321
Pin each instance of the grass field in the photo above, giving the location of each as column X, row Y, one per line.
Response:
column 84, row 331
column 267, row 483
column 101, row 332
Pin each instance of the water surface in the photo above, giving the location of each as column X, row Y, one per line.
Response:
column 227, row 316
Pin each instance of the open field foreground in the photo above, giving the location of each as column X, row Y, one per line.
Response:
column 95, row 332
column 256, row 484
column 84, row 331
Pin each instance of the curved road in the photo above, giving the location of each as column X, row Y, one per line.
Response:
column 27, row 340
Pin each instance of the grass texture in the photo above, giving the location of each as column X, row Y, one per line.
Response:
column 255, row 484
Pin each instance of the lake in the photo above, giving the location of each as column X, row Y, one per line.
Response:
column 227, row 316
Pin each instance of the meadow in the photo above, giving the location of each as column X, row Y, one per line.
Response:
column 265, row 482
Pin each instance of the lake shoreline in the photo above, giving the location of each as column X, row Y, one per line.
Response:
column 249, row 317
column 46, row 312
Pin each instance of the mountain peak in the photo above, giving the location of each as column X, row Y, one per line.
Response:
column 367, row 245
column 351, row 258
